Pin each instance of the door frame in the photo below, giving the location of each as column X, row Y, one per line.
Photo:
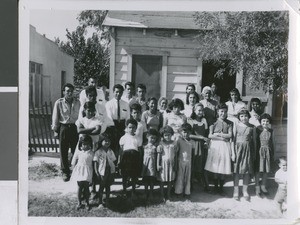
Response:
column 164, row 69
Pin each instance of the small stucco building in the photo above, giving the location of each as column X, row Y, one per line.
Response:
column 160, row 49
column 49, row 69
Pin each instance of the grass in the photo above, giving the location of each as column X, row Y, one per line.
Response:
column 43, row 171
column 65, row 206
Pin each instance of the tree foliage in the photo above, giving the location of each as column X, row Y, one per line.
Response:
column 254, row 42
column 91, row 54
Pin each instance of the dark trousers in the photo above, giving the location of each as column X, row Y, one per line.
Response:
column 68, row 138
column 115, row 133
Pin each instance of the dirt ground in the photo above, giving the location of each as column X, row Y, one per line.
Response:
column 257, row 208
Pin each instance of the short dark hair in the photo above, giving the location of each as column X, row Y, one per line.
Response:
column 254, row 100
column 118, row 86
column 186, row 127
column 136, row 106
column 132, row 121
column 152, row 99
column 90, row 90
column 129, row 83
column 176, row 102
column 265, row 116
column 142, row 86
column 152, row 131
column 71, row 86
column 192, row 93
column 88, row 105
column 281, row 158
column 166, row 129
column 85, row 139
column 222, row 106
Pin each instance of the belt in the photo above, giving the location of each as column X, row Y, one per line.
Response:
column 68, row 124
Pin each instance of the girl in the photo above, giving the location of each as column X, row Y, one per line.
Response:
column 149, row 162
column 255, row 111
column 82, row 164
column 190, row 88
column 185, row 148
column 219, row 152
column 163, row 106
column 166, row 160
column 104, row 166
column 152, row 117
column 209, row 105
column 175, row 118
column 200, row 133
column 129, row 159
column 89, row 124
column 243, row 153
column 234, row 105
column 265, row 153
column 192, row 99
column 135, row 113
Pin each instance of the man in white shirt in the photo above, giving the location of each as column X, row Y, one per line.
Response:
column 118, row 112
column 129, row 93
column 92, row 82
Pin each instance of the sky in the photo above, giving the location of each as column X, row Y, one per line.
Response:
column 53, row 23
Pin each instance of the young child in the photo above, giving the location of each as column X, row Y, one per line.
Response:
column 129, row 159
column 264, row 153
column 166, row 160
column 152, row 117
column 104, row 166
column 186, row 146
column 220, row 151
column 200, row 133
column 149, row 162
column 175, row 118
column 82, row 164
column 281, row 179
column 255, row 108
column 244, row 150
column 141, row 130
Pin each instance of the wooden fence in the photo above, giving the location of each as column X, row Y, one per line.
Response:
column 41, row 137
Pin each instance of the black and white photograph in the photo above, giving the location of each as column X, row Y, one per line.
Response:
column 158, row 113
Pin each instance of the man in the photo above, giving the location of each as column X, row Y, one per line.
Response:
column 92, row 82
column 129, row 93
column 65, row 114
column 141, row 97
column 118, row 112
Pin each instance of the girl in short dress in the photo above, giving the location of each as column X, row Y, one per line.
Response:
column 166, row 161
column 175, row 118
column 219, row 153
column 82, row 164
column 200, row 133
column 244, row 149
column 149, row 162
column 152, row 117
column 264, row 153
column 129, row 158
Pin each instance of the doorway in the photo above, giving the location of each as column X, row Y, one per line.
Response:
column 146, row 69
column 224, row 84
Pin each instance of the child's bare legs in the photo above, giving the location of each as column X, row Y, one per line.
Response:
column 79, row 194
column 264, row 182
column 101, row 189
column 246, row 178
column 86, row 192
column 257, row 185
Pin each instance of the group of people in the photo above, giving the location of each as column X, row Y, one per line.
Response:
column 173, row 142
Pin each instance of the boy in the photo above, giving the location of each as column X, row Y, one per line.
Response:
column 129, row 93
column 141, row 97
column 100, row 92
column 281, row 179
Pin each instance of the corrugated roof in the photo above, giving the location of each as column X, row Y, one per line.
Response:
column 148, row 19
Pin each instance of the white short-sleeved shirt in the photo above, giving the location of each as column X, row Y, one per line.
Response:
column 99, row 99
column 112, row 111
column 129, row 142
column 282, row 176
column 89, row 123
column 103, row 157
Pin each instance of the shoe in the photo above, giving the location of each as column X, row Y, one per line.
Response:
column 66, row 177
column 247, row 198
column 264, row 190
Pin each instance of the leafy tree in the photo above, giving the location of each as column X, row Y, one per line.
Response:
column 91, row 54
column 254, row 42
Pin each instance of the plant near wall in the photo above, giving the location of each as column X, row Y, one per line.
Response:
column 90, row 51
column 254, row 42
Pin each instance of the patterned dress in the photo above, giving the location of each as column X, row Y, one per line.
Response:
column 200, row 153
column 175, row 121
column 219, row 152
column 265, row 149
column 167, row 153
column 149, row 161
column 244, row 148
